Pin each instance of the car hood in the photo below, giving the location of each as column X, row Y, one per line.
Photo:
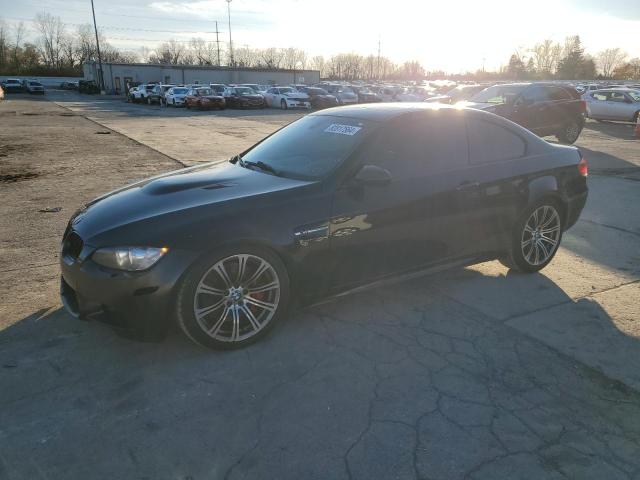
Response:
column 207, row 188
column 295, row 95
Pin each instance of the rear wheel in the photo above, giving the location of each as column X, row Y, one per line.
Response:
column 535, row 238
column 233, row 298
column 570, row 132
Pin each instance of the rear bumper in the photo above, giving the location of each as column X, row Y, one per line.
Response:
column 138, row 301
column 575, row 205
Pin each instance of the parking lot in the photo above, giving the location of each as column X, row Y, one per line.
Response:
column 474, row 373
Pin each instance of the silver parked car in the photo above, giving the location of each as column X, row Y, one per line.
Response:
column 613, row 104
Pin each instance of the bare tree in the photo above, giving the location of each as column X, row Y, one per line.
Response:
column 170, row 53
column 318, row 63
column 51, row 40
column 271, row 57
column 18, row 35
column 545, row 56
column 204, row 53
column 608, row 60
column 293, row 58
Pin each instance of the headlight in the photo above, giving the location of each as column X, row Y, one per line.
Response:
column 128, row 258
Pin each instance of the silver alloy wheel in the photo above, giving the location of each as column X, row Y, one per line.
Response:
column 237, row 298
column 572, row 132
column 541, row 235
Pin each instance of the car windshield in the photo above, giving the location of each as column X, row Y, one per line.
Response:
column 312, row 147
column 286, row 90
column 35, row 84
column 635, row 96
column 498, row 93
column 463, row 92
column 204, row 91
column 317, row 91
column 179, row 91
column 244, row 91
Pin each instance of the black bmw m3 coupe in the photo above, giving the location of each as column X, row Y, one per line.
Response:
column 339, row 199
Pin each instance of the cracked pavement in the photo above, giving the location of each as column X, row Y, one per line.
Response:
column 475, row 373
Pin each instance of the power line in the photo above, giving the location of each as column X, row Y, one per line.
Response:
column 110, row 27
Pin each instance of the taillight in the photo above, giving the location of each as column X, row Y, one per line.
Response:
column 583, row 167
column 583, row 105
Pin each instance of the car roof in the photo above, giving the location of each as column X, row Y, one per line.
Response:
column 384, row 111
column 622, row 89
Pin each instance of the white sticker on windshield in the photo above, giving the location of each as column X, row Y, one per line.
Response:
column 342, row 129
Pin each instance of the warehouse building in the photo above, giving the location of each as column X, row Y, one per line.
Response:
column 118, row 75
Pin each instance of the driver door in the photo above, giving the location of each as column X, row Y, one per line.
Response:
column 417, row 218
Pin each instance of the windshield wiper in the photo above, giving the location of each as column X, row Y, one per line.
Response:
column 265, row 167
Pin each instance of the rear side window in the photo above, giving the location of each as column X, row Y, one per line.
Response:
column 490, row 142
column 599, row 96
column 617, row 97
column 558, row 93
column 420, row 145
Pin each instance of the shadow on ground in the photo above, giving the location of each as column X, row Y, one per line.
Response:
column 399, row 382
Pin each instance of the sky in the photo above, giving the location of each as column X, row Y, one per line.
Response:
column 453, row 36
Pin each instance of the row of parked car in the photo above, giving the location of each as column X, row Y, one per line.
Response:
column 546, row 108
column 15, row 85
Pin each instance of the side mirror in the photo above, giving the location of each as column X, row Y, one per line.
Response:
column 372, row 175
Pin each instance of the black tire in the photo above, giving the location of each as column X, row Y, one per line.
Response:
column 516, row 257
column 188, row 298
column 283, row 104
column 570, row 132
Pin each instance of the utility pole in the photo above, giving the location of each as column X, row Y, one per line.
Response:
column 218, row 43
column 101, row 77
column 231, row 63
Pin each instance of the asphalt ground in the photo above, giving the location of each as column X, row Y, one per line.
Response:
column 472, row 373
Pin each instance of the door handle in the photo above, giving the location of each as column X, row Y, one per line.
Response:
column 467, row 186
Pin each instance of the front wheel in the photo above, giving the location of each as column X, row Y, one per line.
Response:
column 535, row 238
column 570, row 132
column 283, row 104
column 233, row 298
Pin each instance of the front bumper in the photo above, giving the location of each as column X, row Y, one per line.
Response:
column 141, row 302
column 298, row 104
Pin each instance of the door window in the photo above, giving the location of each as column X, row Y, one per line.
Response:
column 601, row 96
column 535, row 94
column 419, row 145
column 489, row 142
column 617, row 97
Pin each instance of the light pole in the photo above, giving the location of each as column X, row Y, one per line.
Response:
column 230, row 44
column 95, row 27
